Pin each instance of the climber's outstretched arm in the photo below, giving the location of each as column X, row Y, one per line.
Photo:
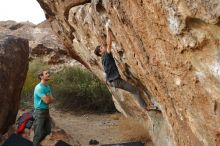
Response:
column 109, row 39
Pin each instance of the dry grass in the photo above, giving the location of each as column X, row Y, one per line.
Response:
column 115, row 116
column 134, row 131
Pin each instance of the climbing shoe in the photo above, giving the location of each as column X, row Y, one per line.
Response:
column 153, row 108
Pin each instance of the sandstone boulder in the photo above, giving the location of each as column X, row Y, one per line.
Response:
column 14, row 54
column 169, row 49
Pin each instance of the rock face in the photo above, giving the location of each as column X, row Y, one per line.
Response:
column 43, row 42
column 14, row 54
column 169, row 49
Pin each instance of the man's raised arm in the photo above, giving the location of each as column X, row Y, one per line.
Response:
column 109, row 39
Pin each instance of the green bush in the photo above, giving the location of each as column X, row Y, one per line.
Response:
column 75, row 89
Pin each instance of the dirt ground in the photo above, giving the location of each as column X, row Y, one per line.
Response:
column 78, row 130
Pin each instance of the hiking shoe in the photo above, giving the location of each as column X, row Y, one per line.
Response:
column 93, row 142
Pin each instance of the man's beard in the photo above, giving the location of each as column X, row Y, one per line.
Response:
column 47, row 79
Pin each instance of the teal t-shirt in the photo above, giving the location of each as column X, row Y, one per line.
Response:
column 40, row 91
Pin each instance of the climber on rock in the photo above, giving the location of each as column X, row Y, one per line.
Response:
column 112, row 74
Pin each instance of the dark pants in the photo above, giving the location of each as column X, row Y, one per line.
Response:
column 122, row 84
column 42, row 126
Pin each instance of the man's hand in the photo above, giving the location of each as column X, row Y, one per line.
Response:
column 106, row 27
column 108, row 23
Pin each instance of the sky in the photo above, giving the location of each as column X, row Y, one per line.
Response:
column 21, row 10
